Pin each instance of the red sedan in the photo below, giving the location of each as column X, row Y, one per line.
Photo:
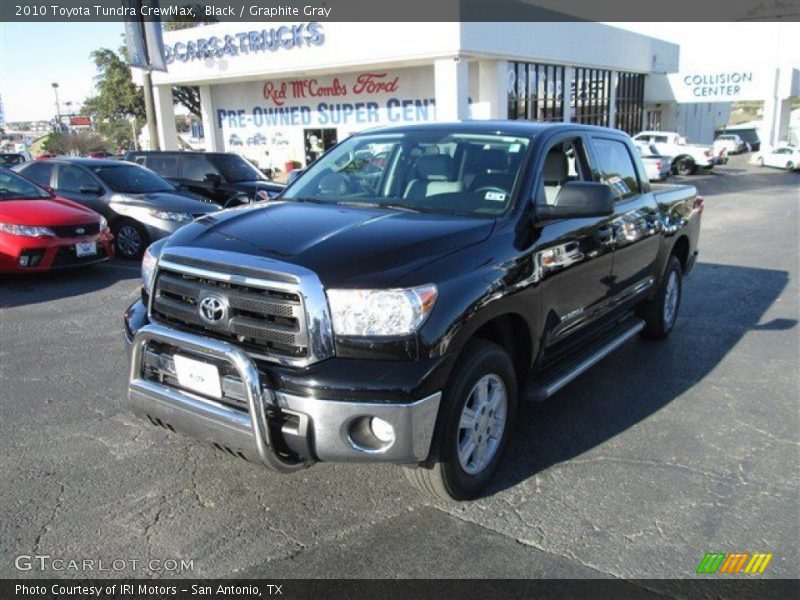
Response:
column 40, row 231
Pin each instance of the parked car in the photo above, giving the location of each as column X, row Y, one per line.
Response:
column 258, row 139
column 730, row 144
column 749, row 135
column 222, row 177
column 45, row 156
column 9, row 159
column 398, row 315
column 140, row 205
column 40, row 231
column 783, row 157
column 658, row 167
column 235, row 140
column 100, row 154
column 687, row 158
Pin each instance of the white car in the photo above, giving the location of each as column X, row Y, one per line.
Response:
column 784, row 157
column 687, row 158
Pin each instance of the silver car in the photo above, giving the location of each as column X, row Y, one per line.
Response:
column 140, row 206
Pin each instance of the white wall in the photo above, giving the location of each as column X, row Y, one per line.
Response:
column 696, row 121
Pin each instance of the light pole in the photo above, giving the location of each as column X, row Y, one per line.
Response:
column 58, row 106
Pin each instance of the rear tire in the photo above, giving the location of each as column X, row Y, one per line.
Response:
column 475, row 421
column 130, row 239
column 660, row 313
column 790, row 166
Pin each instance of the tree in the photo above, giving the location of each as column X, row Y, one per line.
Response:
column 117, row 96
column 80, row 142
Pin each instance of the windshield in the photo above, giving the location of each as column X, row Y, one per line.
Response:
column 131, row 179
column 236, row 169
column 422, row 170
column 12, row 186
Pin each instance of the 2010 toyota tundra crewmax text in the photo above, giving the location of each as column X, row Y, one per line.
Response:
column 401, row 297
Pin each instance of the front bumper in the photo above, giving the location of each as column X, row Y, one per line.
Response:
column 278, row 429
column 51, row 252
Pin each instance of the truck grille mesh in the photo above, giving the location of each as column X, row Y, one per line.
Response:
column 264, row 322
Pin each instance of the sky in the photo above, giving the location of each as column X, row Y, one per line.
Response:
column 34, row 55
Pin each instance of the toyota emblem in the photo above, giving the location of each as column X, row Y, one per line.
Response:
column 212, row 309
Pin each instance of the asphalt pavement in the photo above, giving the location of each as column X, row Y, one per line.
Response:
column 659, row 454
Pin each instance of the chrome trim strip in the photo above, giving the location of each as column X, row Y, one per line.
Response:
column 308, row 285
column 592, row 360
column 202, row 346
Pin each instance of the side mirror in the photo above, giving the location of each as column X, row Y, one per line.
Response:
column 91, row 190
column 577, row 199
column 213, row 179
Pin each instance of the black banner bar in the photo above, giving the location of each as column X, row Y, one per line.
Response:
column 404, row 589
column 401, row 11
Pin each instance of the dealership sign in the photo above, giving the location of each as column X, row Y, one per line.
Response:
column 285, row 37
column 719, row 86
column 354, row 100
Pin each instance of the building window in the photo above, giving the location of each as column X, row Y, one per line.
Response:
column 590, row 99
column 535, row 91
column 630, row 102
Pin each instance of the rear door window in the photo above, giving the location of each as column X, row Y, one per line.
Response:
column 617, row 167
column 72, row 179
column 166, row 166
column 195, row 167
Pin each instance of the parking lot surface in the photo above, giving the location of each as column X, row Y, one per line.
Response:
column 661, row 453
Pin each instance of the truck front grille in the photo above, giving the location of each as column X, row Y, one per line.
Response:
column 265, row 322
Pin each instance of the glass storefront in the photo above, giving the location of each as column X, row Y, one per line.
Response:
column 536, row 93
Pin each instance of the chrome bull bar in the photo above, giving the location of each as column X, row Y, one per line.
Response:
column 185, row 412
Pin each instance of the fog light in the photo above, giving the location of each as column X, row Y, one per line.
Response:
column 382, row 430
column 23, row 261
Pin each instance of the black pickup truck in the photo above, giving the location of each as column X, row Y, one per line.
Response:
column 401, row 297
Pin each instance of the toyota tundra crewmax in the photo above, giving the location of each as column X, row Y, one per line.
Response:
column 401, row 297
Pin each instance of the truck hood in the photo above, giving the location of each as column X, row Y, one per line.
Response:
column 46, row 212
column 344, row 246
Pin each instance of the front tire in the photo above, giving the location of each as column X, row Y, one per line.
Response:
column 660, row 313
column 476, row 418
column 686, row 166
column 130, row 239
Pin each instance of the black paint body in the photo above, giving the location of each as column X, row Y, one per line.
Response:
column 492, row 274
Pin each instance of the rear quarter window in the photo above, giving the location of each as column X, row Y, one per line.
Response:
column 39, row 172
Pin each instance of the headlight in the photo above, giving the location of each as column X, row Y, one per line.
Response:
column 380, row 312
column 103, row 224
column 149, row 263
column 166, row 215
column 27, row 230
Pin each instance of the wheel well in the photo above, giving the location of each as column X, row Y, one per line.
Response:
column 680, row 157
column 681, row 251
column 512, row 333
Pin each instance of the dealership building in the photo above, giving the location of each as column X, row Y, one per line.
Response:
column 293, row 89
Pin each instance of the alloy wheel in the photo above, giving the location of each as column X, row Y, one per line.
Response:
column 482, row 423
